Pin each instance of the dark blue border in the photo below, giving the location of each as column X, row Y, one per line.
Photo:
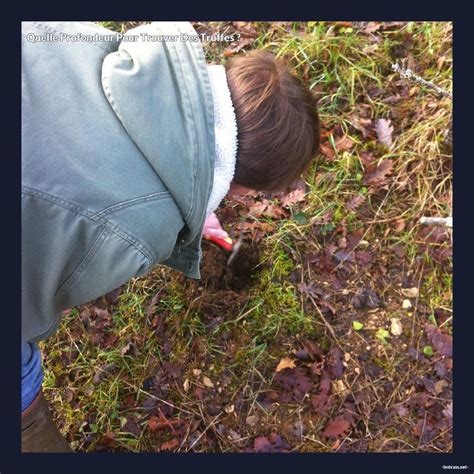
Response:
column 12, row 461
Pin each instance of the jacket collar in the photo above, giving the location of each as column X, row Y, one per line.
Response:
column 225, row 129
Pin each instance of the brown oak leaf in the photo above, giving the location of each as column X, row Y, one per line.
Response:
column 354, row 202
column 285, row 363
column 275, row 211
column 379, row 175
column 293, row 197
column 256, row 210
column 443, row 343
column 336, row 427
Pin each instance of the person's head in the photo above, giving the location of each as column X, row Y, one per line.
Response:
column 277, row 122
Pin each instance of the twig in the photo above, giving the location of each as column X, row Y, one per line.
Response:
column 442, row 221
column 331, row 330
column 213, row 422
column 409, row 74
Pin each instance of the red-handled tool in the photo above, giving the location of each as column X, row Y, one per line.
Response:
column 229, row 244
column 225, row 243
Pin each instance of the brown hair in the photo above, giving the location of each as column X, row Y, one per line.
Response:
column 277, row 121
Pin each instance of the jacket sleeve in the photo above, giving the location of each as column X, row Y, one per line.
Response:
column 69, row 258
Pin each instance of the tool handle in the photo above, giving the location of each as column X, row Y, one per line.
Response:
column 224, row 243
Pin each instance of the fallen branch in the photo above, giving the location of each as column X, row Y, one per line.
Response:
column 409, row 74
column 441, row 221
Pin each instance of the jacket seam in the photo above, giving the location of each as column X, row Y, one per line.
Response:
column 40, row 26
column 108, row 94
column 122, row 205
column 196, row 141
column 74, row 276
column 78, row 270
column 98, row 220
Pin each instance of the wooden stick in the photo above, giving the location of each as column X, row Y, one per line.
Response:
column 442, row 221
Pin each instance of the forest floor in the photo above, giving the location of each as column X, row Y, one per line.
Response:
column 331, row 330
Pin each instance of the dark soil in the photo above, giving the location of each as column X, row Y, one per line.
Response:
column 239, row 275
column 223, row 289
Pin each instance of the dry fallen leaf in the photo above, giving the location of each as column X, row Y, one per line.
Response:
column 361, row 124
column 344, row 143
column 256, row 210
column 371, row 27
column 440, row 385
column 207, row 382
column 378, row 176
column 336, row 427
column 327, row 150
column 293, row 197
column 274, row 211
column 246, row 28
column 384, row 130
column 410, row 292
column 285, row 363
column 236, row 46
column 354, row 202
column 442, row 342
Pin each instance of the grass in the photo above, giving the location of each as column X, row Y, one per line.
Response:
column 95, row 392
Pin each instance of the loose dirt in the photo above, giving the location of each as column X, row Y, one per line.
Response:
column 223, row 289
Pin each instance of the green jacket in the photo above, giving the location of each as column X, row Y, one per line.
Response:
column 117, row 161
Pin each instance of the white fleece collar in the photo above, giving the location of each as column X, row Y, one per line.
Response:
column 225, row 125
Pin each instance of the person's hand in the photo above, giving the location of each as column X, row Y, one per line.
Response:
column 212, row 228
